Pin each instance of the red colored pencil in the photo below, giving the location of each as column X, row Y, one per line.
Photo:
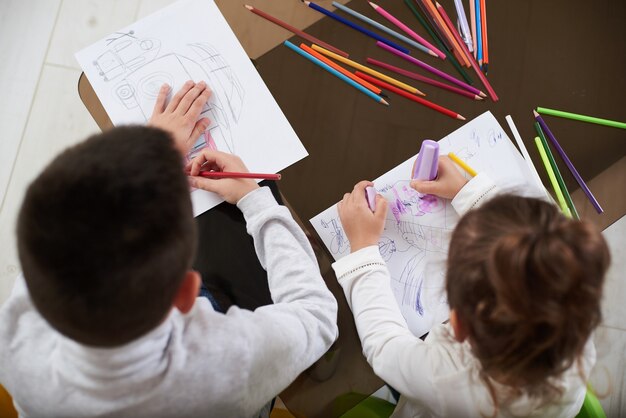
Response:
column 409, row 96
column 423, row 79
column 296, row 31
column 471, row 58
column 236, row 175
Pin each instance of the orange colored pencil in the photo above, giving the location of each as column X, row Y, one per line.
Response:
column 296, row 31
column 342, row 70
column 483, row 16
column 469, row 56
column 457, row 48
column 410, row 96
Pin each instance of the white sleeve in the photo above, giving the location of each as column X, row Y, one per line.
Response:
column 287, row 337
column 475, row 192
column 396, row 355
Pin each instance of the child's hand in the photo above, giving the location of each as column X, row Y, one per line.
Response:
column 362, row 227
column 231, row 190
column 179, row 117
column 447, row 184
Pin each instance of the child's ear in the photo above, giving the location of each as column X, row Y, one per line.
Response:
column 460, row 334
column 187, row 292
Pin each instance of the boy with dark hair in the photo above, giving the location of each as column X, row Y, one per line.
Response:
column 106, row 320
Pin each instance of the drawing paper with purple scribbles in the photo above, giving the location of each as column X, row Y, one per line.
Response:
column 415, row 240
column 190, row 39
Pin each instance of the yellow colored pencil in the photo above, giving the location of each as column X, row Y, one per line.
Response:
column 462, row 164
column 552, row 177
column 367, row 70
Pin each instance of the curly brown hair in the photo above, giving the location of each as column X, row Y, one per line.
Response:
column 526, row 284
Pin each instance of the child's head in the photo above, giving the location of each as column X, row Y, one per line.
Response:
column 106, row 235
column 525, row 284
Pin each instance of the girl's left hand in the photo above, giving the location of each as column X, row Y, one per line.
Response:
column 362, row 226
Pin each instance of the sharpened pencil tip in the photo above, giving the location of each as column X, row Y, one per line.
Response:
column 477, row 97
column 460, row 117
column 383, row 101
column 481, row 94
column 535, row 113
column 247, row 6
column 421, row 93
column 374, row 5
column 433, row 54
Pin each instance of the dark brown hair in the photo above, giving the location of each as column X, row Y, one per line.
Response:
column 105, row 235
column 526, row 284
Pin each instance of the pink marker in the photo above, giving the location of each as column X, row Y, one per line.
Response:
column 427, row 161
column 370, row 195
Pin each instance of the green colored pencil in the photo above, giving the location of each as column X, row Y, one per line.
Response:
column 582, row 118
column 440, row 44
column 557, row 172
column 552, row 177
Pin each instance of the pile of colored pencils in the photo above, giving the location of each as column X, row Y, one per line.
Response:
column 446, row 44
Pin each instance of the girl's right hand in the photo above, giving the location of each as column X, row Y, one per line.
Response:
column 448, row 183
column 362, row 226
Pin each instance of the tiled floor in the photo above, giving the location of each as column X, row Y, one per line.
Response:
column 41, row 114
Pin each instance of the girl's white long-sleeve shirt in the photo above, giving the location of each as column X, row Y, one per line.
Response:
column 438, row 377
column 203, row 363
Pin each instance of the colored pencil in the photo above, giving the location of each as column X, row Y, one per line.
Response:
column 354, row 26
column 462, row 164
column 296, row 31
column 569, row 164
column 473, row 25
column 524, row 151
column 383, row 28
column 456, row 47
column 479, row 28
column 555, row 185
column 433, row 24
column 236, row 175
column 406, row 29
column 462, row 18
column 582, row 118
column 441, row 46
column 342, row 70
column 557, row 172
column 469, row 56
column 368, row 70
column 335, row 72
column 423, row 79
column 409, row 96
column 483, row 14
column 429, row 68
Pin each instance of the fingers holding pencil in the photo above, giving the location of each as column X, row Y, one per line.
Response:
column 229, row 189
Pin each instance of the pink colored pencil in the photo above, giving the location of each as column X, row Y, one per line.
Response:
column 477, row 69
column 430, row 69
column 236, row 175
column 473, row 22
column 406, row 29
column 423, row 79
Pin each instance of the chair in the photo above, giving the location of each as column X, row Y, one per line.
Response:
column 6, row 404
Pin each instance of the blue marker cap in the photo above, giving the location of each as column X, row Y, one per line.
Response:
column 370, row 195
column 427, row 161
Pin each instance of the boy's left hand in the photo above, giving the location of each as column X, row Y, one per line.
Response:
column 180, row 116
column 362, row 226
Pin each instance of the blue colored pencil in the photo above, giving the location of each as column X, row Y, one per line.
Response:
column 384, row 28
column 335, row 73
column 479, row 35
column 355, row 26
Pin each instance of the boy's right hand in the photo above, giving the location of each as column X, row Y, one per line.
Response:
column 362, row 227
column 231, row 190
column 448, row 183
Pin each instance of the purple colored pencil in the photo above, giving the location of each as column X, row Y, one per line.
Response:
column 430, row 68
column 569, row 164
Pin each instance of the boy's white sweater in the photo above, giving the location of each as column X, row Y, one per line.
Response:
column 203, row 364
column 438, row 377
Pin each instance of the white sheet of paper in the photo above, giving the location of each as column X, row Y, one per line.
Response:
column 190, row 39
column 415, row 241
